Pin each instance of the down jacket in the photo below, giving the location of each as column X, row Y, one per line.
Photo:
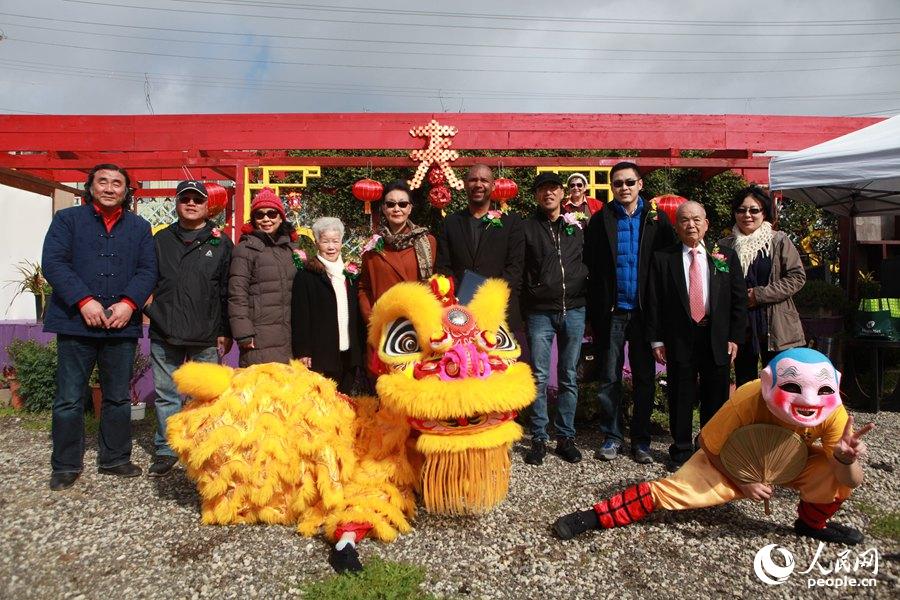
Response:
column 259, row 297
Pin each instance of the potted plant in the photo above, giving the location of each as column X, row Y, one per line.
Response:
column 31, row 279
column 35, row 371
column 141, row 366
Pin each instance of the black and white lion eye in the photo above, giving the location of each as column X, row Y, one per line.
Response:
column 505, row 341
column 401, row 339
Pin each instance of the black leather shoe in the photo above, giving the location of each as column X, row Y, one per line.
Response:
column 567, row 450
column 61, row 481
column 345, row 560
column 576, row 523
column 537, row 453
column 833, row 533
column 162, row 465
column 127, row 470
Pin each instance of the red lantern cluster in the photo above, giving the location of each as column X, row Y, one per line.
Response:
column 439, row 195
column 367, row 191
column 669, row 203
column 217, row 198
column 504, row 191
column 294, row 200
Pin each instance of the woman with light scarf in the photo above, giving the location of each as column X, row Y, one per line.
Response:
column 400, row 251
column 773, row 273
column 326, row 331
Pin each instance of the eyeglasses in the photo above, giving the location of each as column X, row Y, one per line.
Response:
column 753, row 210
column 621, row 182
column 261, row 214
column 576, row 184
column 401, row 204
column 194, row 199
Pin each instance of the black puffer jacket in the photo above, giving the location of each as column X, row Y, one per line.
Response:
column 555, row 277
column 190, row 300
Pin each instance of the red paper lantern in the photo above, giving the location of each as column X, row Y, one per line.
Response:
column 436, row 176
column 504, row 190
column 217, row 198
column 440, row 197
column 367, row 191
column 669, row 203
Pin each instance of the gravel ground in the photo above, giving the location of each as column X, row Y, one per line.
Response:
column 141, row 538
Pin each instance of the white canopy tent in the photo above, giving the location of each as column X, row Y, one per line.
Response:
column 853, row 175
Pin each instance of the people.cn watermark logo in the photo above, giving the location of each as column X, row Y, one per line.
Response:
column 843, row 571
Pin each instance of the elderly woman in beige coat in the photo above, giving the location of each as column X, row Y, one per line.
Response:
column 773, row 273
column 260, row 281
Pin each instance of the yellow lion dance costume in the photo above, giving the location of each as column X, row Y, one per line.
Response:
column 277, row 443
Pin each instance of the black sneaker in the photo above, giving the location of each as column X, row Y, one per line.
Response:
column 537, row 453
column 129, row 469
column 162, row 465
column 566, row 449
column 345, row 560
column 576, row 523
column 833, row 533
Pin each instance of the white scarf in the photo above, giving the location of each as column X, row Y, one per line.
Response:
column 748, row 247
column 335, row 270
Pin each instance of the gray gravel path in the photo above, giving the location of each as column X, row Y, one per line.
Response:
column 107, row 538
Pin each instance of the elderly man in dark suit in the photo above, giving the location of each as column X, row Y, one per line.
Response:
column 488, row 244
column 696, row 319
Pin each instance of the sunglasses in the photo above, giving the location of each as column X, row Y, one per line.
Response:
column 261, row 214
column 189, row 199
column 623, row 182
column 576, row 185
column 401, row 204
column 744, row 209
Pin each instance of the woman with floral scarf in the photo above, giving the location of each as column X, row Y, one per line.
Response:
column 399, row 251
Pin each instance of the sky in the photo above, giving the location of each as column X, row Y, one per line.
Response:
column 812, row 57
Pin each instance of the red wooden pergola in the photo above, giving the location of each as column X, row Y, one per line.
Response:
column 40, row 153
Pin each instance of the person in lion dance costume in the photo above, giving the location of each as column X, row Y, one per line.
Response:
column 798, row 391
column 276, row 443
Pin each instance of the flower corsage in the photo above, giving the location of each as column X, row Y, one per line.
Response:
column 653, row 213
column 571, row 221
column 299, row 258
column 492, row 218
column 718, row 259
column 375, row 243
column 351, row 272
column 215, row 237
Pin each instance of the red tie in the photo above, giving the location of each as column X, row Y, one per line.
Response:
column 695, row 289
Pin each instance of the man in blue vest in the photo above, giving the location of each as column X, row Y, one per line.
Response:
column 100, row 260
column 618, row 247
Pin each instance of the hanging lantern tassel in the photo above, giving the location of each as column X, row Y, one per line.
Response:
column 504, row 190
column 367, row 191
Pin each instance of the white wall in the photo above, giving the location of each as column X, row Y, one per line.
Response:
column 24, row 219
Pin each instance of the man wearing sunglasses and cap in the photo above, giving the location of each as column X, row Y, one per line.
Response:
column 189, row 307
column 578, row 201
column 618, row 247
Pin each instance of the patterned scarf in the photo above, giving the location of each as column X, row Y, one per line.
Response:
column 748, row 246
column 414, row 237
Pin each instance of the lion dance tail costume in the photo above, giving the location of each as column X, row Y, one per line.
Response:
column 798, row 391
column 277, row 443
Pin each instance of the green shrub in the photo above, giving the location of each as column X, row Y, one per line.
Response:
column 35, row 366
column 818, row 296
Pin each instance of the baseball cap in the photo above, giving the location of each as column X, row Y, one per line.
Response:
column 191, row 185
column 544, row 178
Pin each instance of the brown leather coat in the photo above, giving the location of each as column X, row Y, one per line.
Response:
column 381, row 270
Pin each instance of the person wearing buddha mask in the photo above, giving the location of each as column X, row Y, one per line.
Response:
column 798, row 390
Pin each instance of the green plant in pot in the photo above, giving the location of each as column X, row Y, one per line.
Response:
column 31, row 279
column 35, row 368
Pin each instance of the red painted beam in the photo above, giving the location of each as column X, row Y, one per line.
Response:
column 487, row 131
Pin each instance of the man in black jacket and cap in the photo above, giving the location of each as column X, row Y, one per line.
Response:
column 189, row 310
column 554, row 284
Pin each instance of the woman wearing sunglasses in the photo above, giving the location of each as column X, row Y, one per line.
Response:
column 403, row 252
column 577, row 199
column 260, row 282
column 773, row 273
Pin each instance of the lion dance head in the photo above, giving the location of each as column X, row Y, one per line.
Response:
column 451, row 370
